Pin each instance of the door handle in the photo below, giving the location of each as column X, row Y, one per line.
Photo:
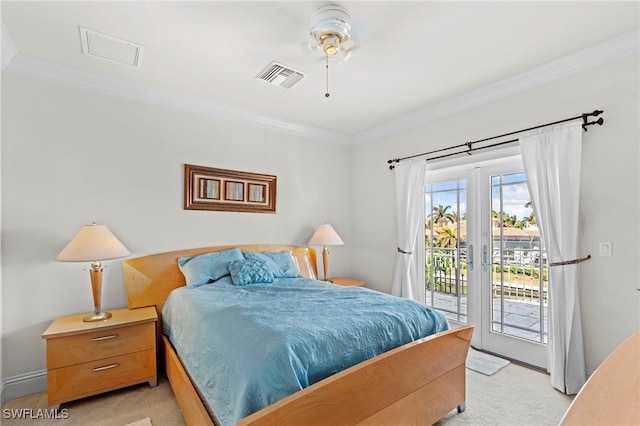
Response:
column 485, row 263
column 470, row 254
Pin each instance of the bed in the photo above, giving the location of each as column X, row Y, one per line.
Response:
column 414, row 383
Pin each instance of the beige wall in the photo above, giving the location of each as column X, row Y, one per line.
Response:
column 609, row 197
column 71, row 157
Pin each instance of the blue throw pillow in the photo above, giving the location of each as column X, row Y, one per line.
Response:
column 206, row 268
column 280, row 263
column 250, row 271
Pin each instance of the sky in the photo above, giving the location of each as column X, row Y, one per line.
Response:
column 515, row 196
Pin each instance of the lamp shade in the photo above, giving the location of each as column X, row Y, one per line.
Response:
column 93, row 242
column 325, row 235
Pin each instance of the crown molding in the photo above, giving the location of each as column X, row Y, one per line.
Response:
column 625, row 44
column 70, row 77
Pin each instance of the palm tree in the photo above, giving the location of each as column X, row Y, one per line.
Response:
column 453, row 217
column 441, row 216
column 447, row 237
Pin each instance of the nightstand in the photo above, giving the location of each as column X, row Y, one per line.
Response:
column 347, row 282
column 88, row 358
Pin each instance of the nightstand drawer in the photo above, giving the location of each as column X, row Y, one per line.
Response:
column 94, row 377
column 80, row 348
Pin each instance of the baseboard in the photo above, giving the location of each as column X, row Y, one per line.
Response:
column 22, row 385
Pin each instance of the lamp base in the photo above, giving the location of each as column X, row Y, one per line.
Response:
column 96, row 288
column 325, row 263
column 100, row 316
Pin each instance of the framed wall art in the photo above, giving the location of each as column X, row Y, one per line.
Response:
column 207, row 188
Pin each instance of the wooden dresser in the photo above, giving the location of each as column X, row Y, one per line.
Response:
column 88, row 358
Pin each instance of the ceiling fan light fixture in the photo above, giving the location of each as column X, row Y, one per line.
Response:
column 331, row 45
column 331, row 31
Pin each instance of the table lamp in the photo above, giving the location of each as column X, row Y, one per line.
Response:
column 325, row 236
column 94, row 243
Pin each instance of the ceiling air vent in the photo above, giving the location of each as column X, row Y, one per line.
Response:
column 280, row 75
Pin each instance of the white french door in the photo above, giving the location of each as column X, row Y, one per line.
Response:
column 484, row 263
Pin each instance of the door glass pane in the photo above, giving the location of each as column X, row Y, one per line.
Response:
column 519, row 266
column 446, row 248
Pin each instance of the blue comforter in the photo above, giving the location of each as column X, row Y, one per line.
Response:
column 248, row 347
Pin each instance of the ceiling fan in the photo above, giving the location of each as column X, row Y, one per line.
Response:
column 331, row 34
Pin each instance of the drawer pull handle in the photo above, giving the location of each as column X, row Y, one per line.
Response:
column 106, row 367
column 97, row 339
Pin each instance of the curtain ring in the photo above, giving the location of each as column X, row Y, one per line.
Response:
column 403, row 252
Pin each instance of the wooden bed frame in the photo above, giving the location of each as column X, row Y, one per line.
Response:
column 417, row 383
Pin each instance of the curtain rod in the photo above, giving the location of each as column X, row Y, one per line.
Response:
column 469, row 145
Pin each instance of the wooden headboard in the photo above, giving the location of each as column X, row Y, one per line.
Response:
column 149, row 279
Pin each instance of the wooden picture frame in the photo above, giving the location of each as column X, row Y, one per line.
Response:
column 207, row 188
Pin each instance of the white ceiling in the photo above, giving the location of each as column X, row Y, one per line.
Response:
column 414, row 56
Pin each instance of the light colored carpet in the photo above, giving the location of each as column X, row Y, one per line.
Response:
column 485, row 363
column 115, row 408
column 515, row 395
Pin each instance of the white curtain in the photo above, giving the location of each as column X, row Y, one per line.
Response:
column 408, row 281
column 552, row 159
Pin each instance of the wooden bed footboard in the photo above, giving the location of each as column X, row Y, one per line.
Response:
column 417, row 383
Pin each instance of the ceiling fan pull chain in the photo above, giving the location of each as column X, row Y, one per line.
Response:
column 326, row 95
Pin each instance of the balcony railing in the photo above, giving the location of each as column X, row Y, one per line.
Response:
column 517, row 276
column 518, row 279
